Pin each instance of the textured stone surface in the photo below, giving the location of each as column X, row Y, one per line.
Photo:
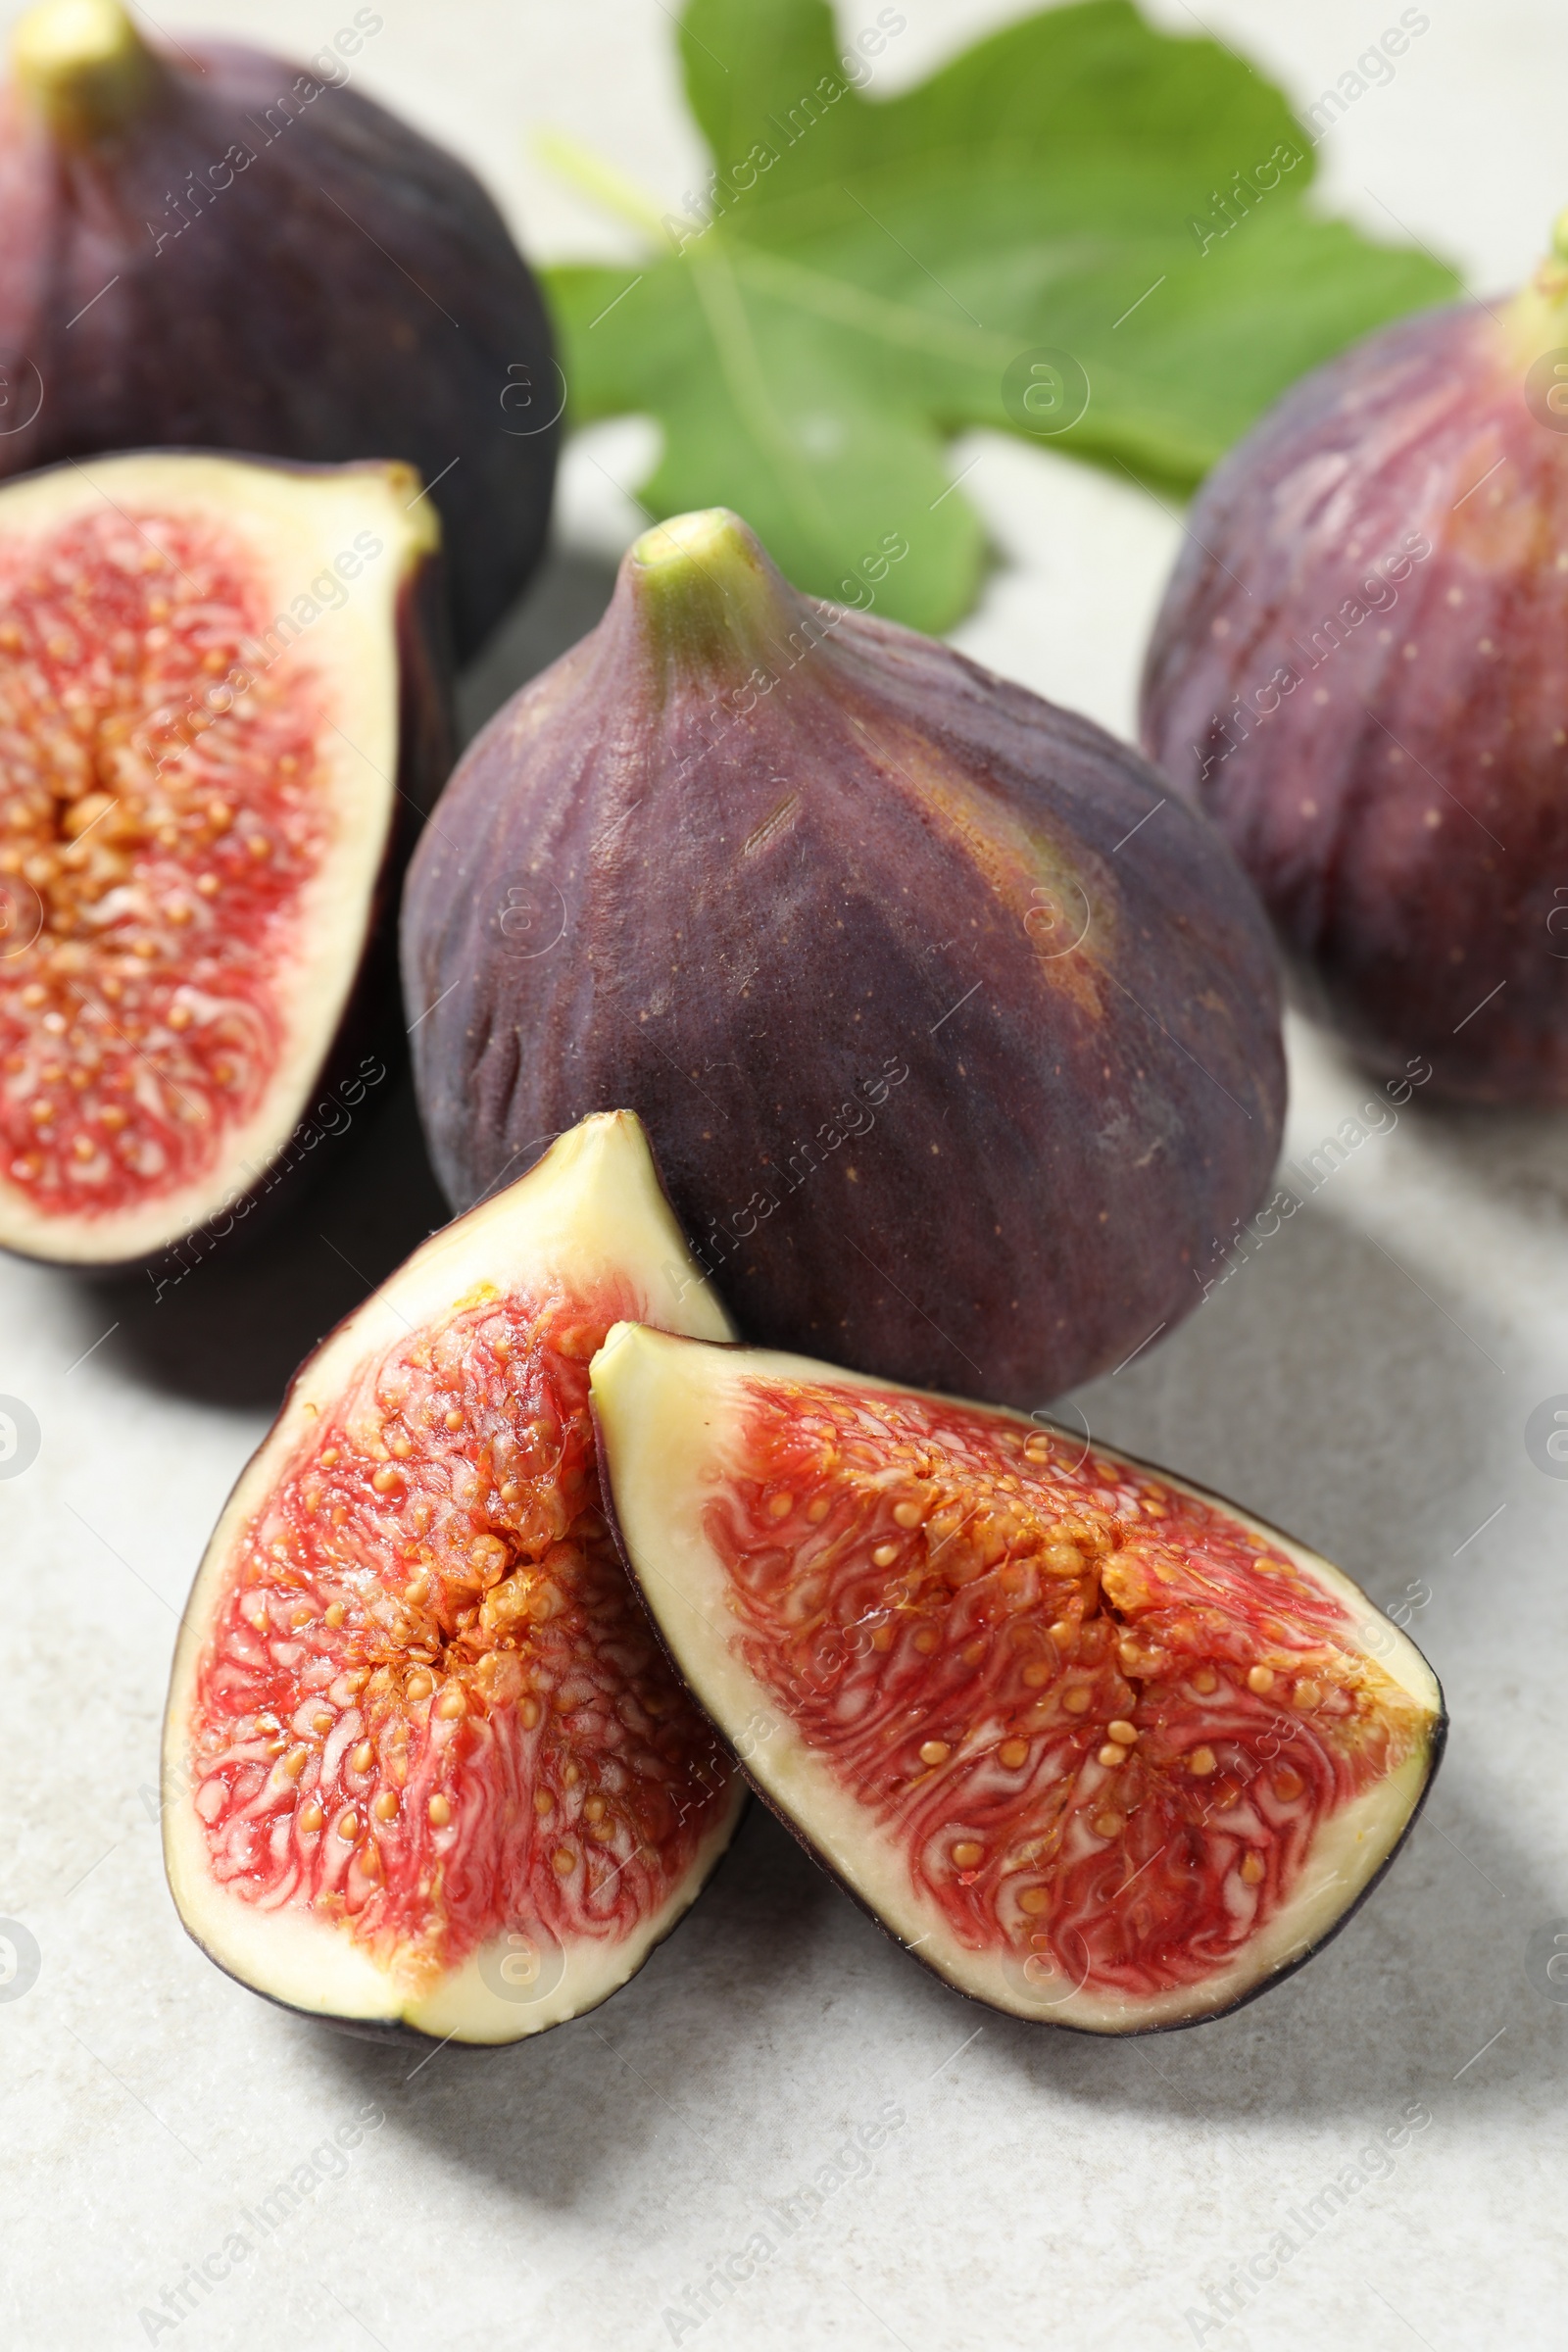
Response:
column 1365, row 1378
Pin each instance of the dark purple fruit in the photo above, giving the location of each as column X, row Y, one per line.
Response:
column 210, row 247
column 956, row 1034
column 1359, row 672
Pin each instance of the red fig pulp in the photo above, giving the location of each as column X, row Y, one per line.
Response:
column 424, row 1763
column 1101, row 1749
column 219, row 711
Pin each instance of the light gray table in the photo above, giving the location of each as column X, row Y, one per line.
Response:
column 1366, row 1381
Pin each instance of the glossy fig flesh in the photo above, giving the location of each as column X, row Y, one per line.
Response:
column 211, row 247
column 956, row 1034
column 1358, row 672
column 220, row 711
column 424, row 1762
column 1100, row 1749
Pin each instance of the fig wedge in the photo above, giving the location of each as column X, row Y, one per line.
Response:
column 1100, row 1749
column 426, row 1766
column 222, row 714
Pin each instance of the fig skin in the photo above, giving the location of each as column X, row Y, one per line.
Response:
column 1358, row 672
column 349, row 292
column 812, row 908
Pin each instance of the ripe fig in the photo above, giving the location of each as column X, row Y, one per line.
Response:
column 209, row 246
column 956, row 1035
column 1100, row 1749
column 1357, row 673
column 220, row 711
column 424, row 1763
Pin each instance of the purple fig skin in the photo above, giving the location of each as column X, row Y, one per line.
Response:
column 956, row 1036
column 1358, row 673
column 349, row 291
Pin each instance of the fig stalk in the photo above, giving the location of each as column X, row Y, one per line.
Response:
column 83, row 67
column 703, row 602
column 1537, row 319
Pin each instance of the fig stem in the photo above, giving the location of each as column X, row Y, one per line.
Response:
column 1537, row 319
column 83, row 64
column 705, row 593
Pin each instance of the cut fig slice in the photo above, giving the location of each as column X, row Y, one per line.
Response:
column 1103, row 1751
column 220, row 711
column 426, row 1765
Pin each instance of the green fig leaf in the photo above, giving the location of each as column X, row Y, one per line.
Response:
column 1082, row 231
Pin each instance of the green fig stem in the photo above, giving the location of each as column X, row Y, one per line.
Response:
column 706, row 595
column 83, row 66
column 1537, row 319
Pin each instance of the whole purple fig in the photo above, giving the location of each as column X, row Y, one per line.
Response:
column 1359, row 671
column 209, row 246
column 954, row 1033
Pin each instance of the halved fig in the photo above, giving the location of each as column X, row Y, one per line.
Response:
column 1103, row 1751
column 220, row 714
column 426, row 1765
